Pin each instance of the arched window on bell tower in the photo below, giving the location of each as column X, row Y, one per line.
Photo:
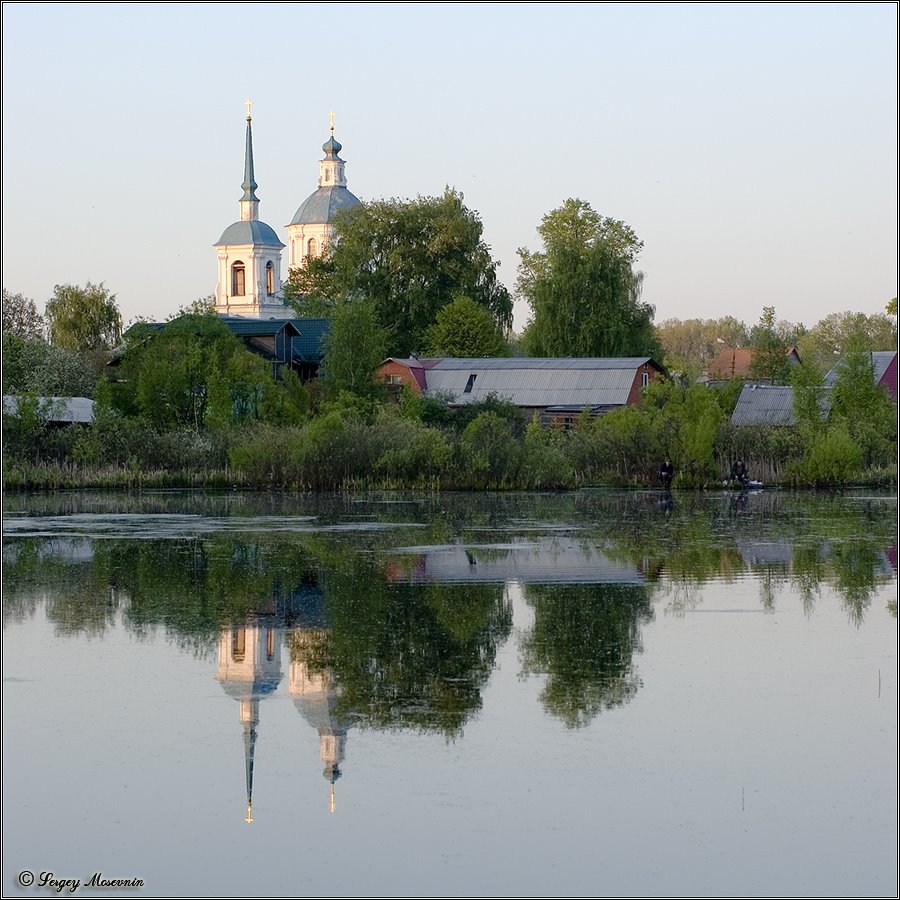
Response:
column 270, row 278
column 237, row 280
column 312, row 248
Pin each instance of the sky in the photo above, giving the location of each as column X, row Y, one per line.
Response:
column 752, row 147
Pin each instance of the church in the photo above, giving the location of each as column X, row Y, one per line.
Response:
column 249, row 250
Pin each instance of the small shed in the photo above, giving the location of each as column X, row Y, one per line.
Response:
column 56, row 410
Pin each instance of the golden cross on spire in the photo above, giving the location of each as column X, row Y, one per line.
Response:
column 249, row 104
column 331, row 117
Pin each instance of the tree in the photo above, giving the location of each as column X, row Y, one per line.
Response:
column 464, row 329
column 809, row 396
column 582, row 288
column 864, row 408
column 770, row 349
column 85, row 318
column 846, row 332
column 310, row 288
column 354, row 348
column 410, row 259
column 202, row 306
column 20, row 317
column 34, row 367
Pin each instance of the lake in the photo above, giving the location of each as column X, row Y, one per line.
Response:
column 593, row 693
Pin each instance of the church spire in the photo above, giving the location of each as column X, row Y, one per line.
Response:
column 249, row 202
column 331, row 168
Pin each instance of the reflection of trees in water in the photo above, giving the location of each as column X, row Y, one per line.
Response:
column 404, row 656
column 80, row 586
column 188, row 586
column 583, row 639
column 411, row 656
column 856, row 569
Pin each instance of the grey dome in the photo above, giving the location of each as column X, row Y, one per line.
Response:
column 331, row 147
column 249, row 232
column 319, row 208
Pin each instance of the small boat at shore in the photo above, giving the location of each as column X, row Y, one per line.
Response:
column 735, row 485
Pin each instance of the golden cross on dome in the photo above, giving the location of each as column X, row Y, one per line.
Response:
column 249, row 104
column 331, row 117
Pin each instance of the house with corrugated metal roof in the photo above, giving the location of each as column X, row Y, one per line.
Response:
column 736, row 362
column 557, row 389
column 764, row 404
column 884, row 371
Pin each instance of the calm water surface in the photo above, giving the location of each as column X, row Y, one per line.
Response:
column 587, row 694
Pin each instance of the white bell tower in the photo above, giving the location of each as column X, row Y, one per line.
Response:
column 249, row 256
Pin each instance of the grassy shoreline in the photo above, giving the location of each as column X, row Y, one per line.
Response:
column 22, row 477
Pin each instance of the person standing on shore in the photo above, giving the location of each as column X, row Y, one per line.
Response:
column 666, row 473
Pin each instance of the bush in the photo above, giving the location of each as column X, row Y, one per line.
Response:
column 262, row 457
column 544, row 461
column 490, row 454
column 834, row 458
column 415, row 454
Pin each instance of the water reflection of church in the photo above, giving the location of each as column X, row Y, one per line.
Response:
column 250, row 670
column 608, row 595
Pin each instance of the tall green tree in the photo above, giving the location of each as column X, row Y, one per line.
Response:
column 354, row 348
column 770, row 349
column 84, row 318
column 583, row 290
column 410, row 259
column 464, row 329
column 809, row 396
column 20, row 317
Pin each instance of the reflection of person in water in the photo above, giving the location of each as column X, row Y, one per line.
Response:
column 667, row 503
column 666, row 473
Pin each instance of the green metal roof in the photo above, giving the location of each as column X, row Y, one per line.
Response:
column 257, row 327
column 308, row 347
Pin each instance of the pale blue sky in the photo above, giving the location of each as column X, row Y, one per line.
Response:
column 753, row 148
